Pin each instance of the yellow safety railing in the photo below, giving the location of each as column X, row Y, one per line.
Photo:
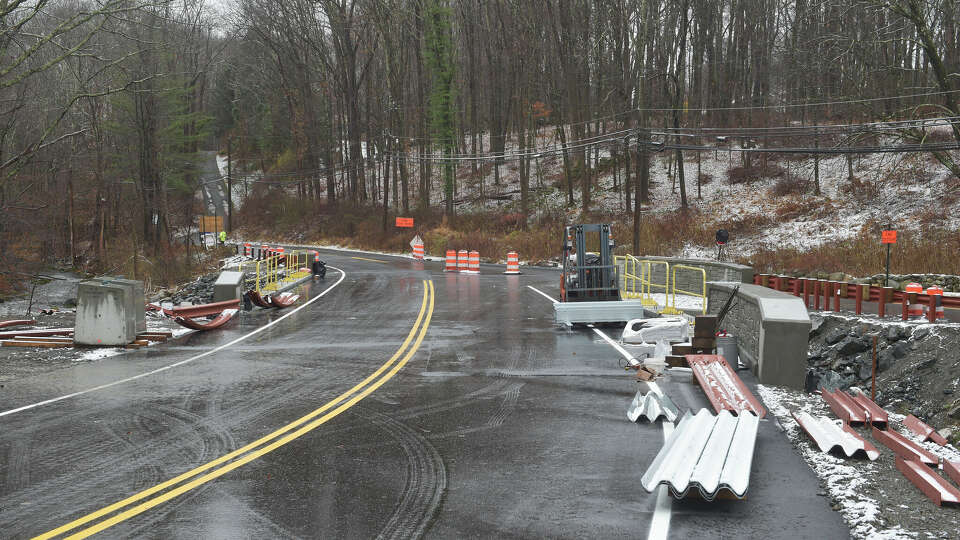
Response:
column 631, row 272
column 274, row 272
column 638, row 278
column 671, row 307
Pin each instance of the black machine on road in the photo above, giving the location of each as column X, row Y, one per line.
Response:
column 588, row 276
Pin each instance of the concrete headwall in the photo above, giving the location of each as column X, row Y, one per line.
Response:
column 772, row 330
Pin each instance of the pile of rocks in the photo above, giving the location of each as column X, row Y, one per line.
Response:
column 918, row 368
column 195, row 292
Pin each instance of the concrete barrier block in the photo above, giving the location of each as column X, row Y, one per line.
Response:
column 772, row 329
column 228, row 286
column 103, row 314
column 135, row 299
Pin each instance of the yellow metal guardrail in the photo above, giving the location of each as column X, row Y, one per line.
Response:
column 274, row 272
column 638, row 278
column 671, row 307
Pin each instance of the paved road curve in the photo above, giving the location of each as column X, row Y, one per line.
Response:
column 405, row 402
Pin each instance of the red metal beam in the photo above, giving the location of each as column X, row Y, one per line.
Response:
column 284, row 300
column 952, row 468
column 875, row 413
column 925, row 432
column 904, row 447
column 40, row 332
column 722, row 386
column 845, row 407
column 217, row 322
column 203, row 310
column 262, row 301
column 929, row 482
column 20, row 322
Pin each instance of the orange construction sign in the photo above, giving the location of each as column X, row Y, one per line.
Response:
column 406, row 222
column 888, row 237
column 211, row 223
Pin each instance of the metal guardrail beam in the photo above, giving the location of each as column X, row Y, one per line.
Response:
column 217, row 322
column 929, row 482
column 203, row 310
column 722, row 386
column 712, row 454
column 833, row 439
column 652, row 406
column 904, row 447
column 845, row 407
column 923, row 430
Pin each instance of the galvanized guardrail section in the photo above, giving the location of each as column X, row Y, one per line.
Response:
column 712, row 454
column 833, row 439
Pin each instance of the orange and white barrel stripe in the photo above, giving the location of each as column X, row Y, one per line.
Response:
column 246, row 249
column 474, row 262
column 936, row 291
column 316, row 256
column 418, row 251
column 451, row 261
column 513, row 263
column 264, row 251
column 463, row 260
column 915, row 308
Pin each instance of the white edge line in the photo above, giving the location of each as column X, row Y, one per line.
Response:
column 182, row 362
column 545, row 295
column 660, row 524
column 630, row 358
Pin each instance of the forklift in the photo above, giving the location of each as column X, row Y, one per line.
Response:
column 588, row 276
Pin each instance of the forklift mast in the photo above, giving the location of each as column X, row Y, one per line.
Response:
column 589, row 275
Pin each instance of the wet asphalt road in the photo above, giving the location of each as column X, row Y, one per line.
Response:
column 498, row 424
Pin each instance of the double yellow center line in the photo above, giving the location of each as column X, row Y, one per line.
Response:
column 264, row 445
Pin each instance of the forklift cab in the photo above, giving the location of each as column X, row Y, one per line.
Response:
column 588, row 270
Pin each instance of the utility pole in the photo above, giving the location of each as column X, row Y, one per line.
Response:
column 229, row 189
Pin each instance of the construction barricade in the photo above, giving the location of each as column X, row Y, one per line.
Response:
column 451, row 264
column 463, row 260
column 513, row 263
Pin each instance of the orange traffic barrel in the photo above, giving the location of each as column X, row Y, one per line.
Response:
column 246, row 249
column 418, row 251
column 451, row 261
column 513, row 263
column 938, row 292
column 915, row 308
column 463, row 260
column 474, row 262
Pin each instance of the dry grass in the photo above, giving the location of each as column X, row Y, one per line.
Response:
column 740, row 175
column 929, row 251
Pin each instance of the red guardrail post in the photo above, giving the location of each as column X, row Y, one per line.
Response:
column 795, row 286
column 932, row 307
column 816, row 294
column 858, row 309
column 756, row 279
column 886, row 293
column 806, row 292
column 835, row 287
column 764, row 280
column 827, row 295
column 905, row 301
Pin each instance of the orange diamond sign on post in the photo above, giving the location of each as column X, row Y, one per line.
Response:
column 406, row 222
column 888, row 237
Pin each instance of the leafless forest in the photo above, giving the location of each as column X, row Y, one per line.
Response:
column 406, row 107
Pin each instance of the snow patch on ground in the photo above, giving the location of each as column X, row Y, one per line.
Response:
column 844, row 482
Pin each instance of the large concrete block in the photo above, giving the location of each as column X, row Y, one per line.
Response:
column 103, row 314
column 772, row 329
column 135, row 299
column 229, row 286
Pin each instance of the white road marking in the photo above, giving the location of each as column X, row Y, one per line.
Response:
column 182, row 362
column 626, row 354
column 545, row 295
column 660, row 524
